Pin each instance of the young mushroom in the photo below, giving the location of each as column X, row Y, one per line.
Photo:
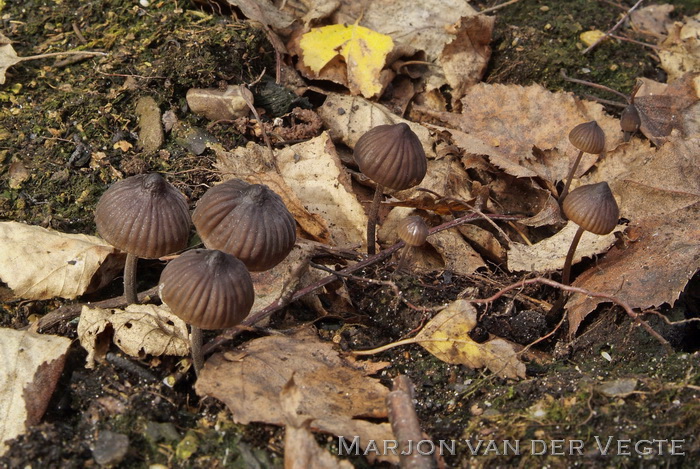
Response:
column 392, row 156
column 587, row 138
column 144, row 216
column 248, row 221
column 208, row 289
column 593, row 208
column 629, row 121
column 414, row 232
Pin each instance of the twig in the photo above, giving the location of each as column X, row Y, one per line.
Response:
column 498, row 7
column 628, row 309
column 405, row 425
column 593, row 85
column 370, row 260
column 611, row 30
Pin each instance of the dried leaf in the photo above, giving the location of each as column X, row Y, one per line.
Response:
column 549, row 254
column 300, row 448
column 652, row 19
column 38, row 264
column 524, row 130
column 31, row 366
column 313, row 171
column 447, row 337
column 680, row 52
column 337, row 394
column 363, row 51
column 8, row 57
column 138, row 330
column 622, row 387
column 216, row 104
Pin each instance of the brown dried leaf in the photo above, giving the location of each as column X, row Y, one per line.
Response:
column 8, row 57
column 659, row 191
column 337, row 394
column 31, row 366
column 663, row 108
column 138, row 330
column 216, row 104
column 680, row 52
column 524, row 130
column 447, row 337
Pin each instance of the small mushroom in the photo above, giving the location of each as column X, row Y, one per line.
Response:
column 588, row 138
column 414, row 232
column 248, row 221
column 630, row 121
column 593, row 208
column 208, row 289
column 392, row 156
column 144, row 216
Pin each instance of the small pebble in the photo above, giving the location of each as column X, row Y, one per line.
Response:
column 110, row 448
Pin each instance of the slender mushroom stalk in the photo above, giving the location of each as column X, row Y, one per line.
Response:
column 413, row 231
column 249, row 221
column 392, row 156
column 587, row 138
column 593, row 208
column 208, row 289
column 146, row 217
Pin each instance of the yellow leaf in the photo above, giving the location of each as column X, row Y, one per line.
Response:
column 447, row 337
column 364, row 52
column 591, row 37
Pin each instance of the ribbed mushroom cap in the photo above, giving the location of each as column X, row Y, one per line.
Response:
column 413, row 231
column 144, row 215
column 391, row 155
column 248, row 221
column 588, row 137
column 207, row 288
column 593, row 208
column 629, row 119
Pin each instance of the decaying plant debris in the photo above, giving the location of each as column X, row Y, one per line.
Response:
column 488, row 99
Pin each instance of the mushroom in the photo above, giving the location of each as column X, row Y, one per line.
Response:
column 630, row 121
column 414, row 232
column 208, row 289
column 393, row 157
column 593, row 208
column 144, row 216
column 587, row 138
column 248, row 221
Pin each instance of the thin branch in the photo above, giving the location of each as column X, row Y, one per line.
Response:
column 498, row 7
column 611, row 30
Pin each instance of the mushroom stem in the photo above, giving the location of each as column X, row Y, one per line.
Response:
column 570, row 176
column 130, row 279
column 566, row 274
column 372, row 221
column 404, row 258
column 196, row 345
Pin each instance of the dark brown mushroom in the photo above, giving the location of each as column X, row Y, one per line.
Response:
column 208, row 289
column 248, row 221
column 144, row 216
column 587, row 138
column 630, row 121
column 414, row 232
column 392, row 156
column 593, row 208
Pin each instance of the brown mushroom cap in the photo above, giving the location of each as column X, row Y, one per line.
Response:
column 629, row 119
column 248, row 221
column 588, row 137
column 413, row 231
column 144, row 215
column 207, row 288
column 593, row 208
column 391, row 155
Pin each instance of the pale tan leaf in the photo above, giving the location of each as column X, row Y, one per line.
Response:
column 138, row 330
column 549, row 254
column 8, row 57
column 313, row 171
column 680, row 51
column 459, row 257
column 37, row 263
column 31, row 366
column 337, row 394
column 447, row 337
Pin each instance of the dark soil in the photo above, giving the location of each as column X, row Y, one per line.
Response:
column 53, row 117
